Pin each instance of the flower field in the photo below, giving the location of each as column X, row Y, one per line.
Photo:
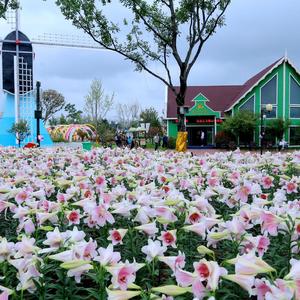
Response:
column 119, row 224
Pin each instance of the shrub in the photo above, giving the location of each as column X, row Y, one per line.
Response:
column 241, row 125
column 58, row 138
column 223, row 139
column 172, row 143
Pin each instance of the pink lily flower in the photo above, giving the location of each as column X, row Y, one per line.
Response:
column 100, row 181
column 22, row 196
column 54, row 238
column 262, row 287
column 267, row 182
column 74, row 217
column 194, row 217
column 4, row 296
column 116, row 236
column 123, row 274
column 168, row 238
column 174, row 262
column 27, row 225
column 101, row 215
column 198, row 289
column 243, row 193
column 270, row 223
column 198, row 228
column 263, row 245
column 165, row 213
column 153, row 249
column 26, row 247
column 281, row 290
column 184, row 278
column 245, row 281
column 74, row 236
column 77, row 272
column 209, row 271
column 7, row 249
column 4, row 205
column 291, row 187
column 107, row 257
column 149, row 228
column 85, row 250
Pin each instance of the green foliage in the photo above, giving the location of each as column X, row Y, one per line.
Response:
column 240, row 125
column 277, row 127
column 171, row 143
column 97, row 103
column 62, row 120
column 58, row 138
column 74, row 116
column 105, row 132
column 21, row 130
column 223, row 139
column 154, row 131
column 150, row 115
column 5, row 4
column 154, row 32
column 51, row 102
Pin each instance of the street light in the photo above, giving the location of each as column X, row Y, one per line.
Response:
column 267, row 109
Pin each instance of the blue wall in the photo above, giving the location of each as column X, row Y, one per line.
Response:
column 7, row 106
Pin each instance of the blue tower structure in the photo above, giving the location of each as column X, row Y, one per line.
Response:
column 17, row 95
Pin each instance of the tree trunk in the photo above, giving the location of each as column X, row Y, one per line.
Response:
column 180, row 99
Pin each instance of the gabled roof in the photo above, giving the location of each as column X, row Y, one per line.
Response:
column 220, row 98
column 249, row 84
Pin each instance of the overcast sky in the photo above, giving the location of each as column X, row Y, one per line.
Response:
column 257, row 33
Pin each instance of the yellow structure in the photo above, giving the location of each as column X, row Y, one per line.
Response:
column 181, row 141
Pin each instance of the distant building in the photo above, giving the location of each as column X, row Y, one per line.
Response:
column 278, row 84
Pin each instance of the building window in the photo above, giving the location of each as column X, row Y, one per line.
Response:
column 295, row 112
column 269, row 96
column 294, row 98
column 248, row 105
column 294, row 136
column 269, row 92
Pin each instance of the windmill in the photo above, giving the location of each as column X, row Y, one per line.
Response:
column 18, row 94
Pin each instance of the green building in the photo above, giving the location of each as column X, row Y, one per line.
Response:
column 278, row 84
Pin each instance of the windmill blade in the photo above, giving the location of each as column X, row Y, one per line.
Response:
column 10, row 18
column 64, row 40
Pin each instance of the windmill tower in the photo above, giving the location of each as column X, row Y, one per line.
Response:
column 17, row 101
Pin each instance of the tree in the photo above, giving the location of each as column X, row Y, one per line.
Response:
column 275, row 129
column 128, row 113
column 51, row 102
column 21, row 129
column 97, row 103
column 241, row 125
column 164, row 32
column 73, row 115
column 62, row 120
column 5, row 4
column 150, row 115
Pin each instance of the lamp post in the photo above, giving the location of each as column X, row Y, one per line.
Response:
column 267, row 109
column 38, row 112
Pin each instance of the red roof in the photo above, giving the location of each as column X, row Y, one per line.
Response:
column 220, row 98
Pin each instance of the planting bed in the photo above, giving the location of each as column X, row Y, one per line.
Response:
column 120, row 224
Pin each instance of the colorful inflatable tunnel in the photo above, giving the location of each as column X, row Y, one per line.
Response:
column 72, row 132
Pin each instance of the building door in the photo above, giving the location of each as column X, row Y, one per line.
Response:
column 195, row 134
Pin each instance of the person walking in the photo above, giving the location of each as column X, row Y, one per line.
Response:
column 129, row 141
column 156, row 141
column 165, row 142
column 202, row 137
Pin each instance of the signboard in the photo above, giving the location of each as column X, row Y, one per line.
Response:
column 201, row 120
